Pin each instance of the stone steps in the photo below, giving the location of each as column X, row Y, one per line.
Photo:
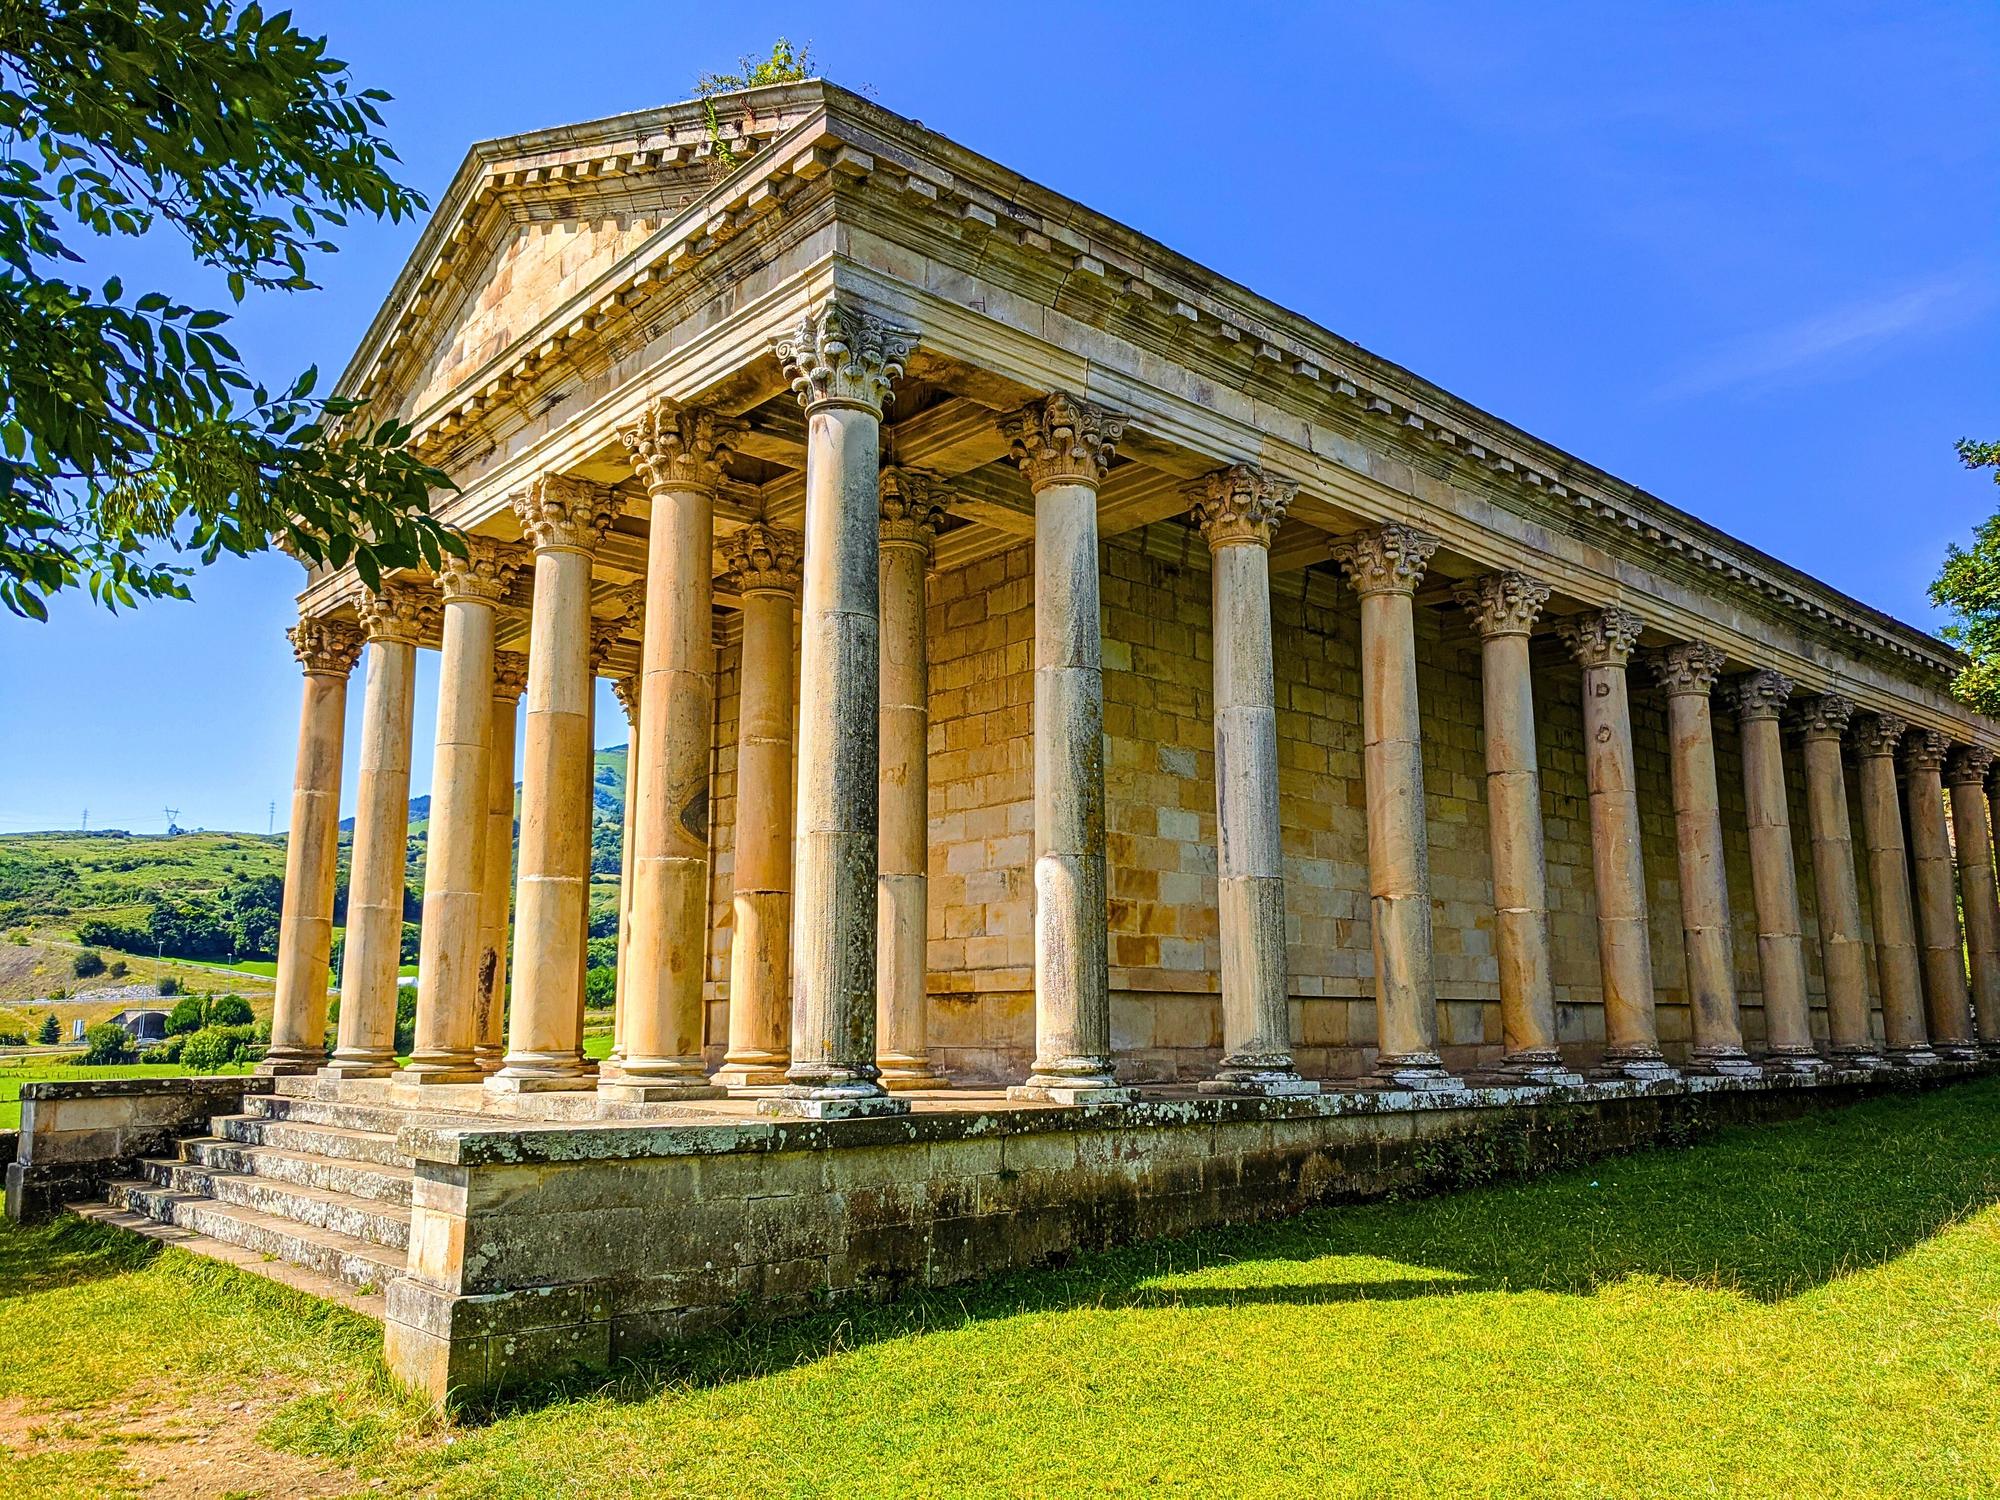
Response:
column 331, row 1141
column 378, row 1182
column 357, row 1264
column 377, row 1119
column 346, row 1214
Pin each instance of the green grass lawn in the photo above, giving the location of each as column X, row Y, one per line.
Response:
column 16, row 1071
column 1804, row 1309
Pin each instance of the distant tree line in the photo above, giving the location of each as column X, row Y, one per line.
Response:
column 242, row 920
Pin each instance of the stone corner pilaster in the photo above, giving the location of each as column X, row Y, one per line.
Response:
column 326, row 647
column 565, row 513
column 1239, row 505
column 1503, row 603
column 842, row 354
column 1603, row 637
column 1387, row 559
column 1061, row 439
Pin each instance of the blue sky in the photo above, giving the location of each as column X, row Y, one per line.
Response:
column 1743, row 255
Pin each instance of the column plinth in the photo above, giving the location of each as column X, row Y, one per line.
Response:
column 1385, row 565
column 1965, row 774
column 1843, row 954
column 496, row 885
column 393, row 619
column 1238, row 508
column 1947, row 1001
column 1688, row 671
column 764, row 565
column 447, row 1032
column 1876, row 737
column 912, row 512
column 327, row 650
column 1602, row 643
column 679, row 453
column 1781, row 950
column 842, row 362
column 564, row 518
column 1504, row 607
column 1064, row 446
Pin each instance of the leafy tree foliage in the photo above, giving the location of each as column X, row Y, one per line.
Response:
column 87, row 964
column 105, row 1043
column 230, row 1010
column 50, row 1032
column 128, row 423
column 1969, row 586
column 186, row 1016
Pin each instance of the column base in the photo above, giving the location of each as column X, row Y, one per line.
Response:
column 1538, row 1072
column 410, row 1075
column 290, row 1063
column 800, row 1102
column 1070, row 1092
column 1957, row 1052
column 907, row 1083
column 1418, row 1072
column 356, row 1067
column 540, row 1073
column 1799, row 1064
column 489, row 1059
column 1990, row 1049
column 1912, row 1057
column 1268, row 1074
column 1639, row 1065
column 1860, row 1060
column 740, row 1078
column 1723, row 1062
column 622, row 1089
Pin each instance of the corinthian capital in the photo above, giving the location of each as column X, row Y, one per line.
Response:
column 562, row 513
column 397, row 612
column 1240, row 505
column 764, row 559
column 605, row 634
column 510, row 674
column 912, row 508
column 1385, row 559
column 844, row 356
column 676, row 447
column 1604, row 637
column 1061, row 440
column 485, row 573
column 1688, row 669
column 1503, row 603
column 1879, row 734
column 1824, row 717
column 1925, row 750
column 1968, row 766
column 1762, row 695
column 326, row 648
column 627, row 689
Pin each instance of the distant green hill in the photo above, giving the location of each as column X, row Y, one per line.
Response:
column 115, row 875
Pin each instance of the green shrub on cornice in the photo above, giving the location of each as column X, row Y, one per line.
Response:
column 784, row 65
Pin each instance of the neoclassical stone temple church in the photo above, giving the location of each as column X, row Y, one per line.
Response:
column 1108, row 756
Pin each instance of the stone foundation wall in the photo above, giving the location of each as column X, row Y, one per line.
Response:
column 538, row 1249
column 1166, row 1014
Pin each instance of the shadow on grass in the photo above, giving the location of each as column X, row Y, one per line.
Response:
column 1764, row 1212
column 66, row 1252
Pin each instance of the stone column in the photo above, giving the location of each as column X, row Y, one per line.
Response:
column 496, row 885
column 1947, row 1005
column 679, row 452
column 912, row 512
column 1876, row 737
column 454, row 863
column 842, row 362
column 1238, row 508
column 1385, row 565
column 1064, row 446
column 1688, row 671
column 393, row 620
column 1774, row 882
column 1602, row 642
column 627, row 689
column 565, row 518
column 1843, row 954
column 764, row 565
column 1965, row 774
column 1504, row 607
column 327, row 649
column 606, row 632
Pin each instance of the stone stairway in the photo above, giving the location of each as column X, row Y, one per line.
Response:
column 308, row 1192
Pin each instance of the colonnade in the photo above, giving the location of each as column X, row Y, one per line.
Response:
column 830, row 899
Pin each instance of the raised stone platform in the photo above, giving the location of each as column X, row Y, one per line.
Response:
column 507, row 1240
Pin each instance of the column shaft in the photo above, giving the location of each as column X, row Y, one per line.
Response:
column 368, row 985
column 1896, row 962
column 1505, row 606
column 1781, row 948
column 910, row 518
column 564, row 518
column 628, row 689
column 327, row 649
column 766, row 564
column 1843, row 953
column 1385, row 566
column 1689, row 671
column 1973, row 840
column 1238, row 509
column 510, row 678
column 1947, row 1003
column 1603, row 643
